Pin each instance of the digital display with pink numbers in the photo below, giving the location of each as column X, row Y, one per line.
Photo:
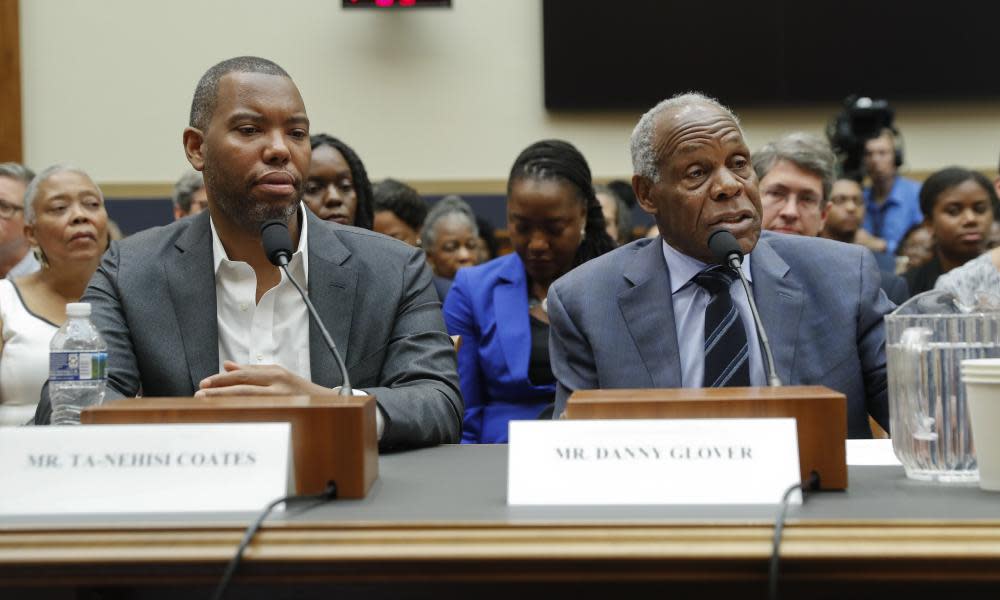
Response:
column 397, row 3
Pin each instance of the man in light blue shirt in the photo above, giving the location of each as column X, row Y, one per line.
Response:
column 892, row 203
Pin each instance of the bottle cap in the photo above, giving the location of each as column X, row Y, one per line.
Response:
column 78, row 309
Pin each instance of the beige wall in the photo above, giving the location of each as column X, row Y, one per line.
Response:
column 424, row 95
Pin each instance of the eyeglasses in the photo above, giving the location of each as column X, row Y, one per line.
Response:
column 779, row 197
column 8, row 210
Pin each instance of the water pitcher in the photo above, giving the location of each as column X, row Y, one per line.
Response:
column 927, row 338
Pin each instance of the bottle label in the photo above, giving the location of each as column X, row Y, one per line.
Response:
column 78, row 366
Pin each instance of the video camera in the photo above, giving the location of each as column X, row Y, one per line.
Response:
column 861, row 120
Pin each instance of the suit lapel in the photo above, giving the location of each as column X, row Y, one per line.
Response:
column 332, row 288
column 510, row 301
column 649, row 314
column 191, row 281
column 779, row 302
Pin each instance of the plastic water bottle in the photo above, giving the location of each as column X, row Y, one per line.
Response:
column 78, row 359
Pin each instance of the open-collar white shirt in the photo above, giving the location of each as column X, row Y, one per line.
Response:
column 274, row 331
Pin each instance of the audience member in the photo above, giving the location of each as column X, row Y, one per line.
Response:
column 499, row 308
column 976, row 284
column 915, row 249
column 196, row 307
column 337, row 188
column 450, row 239
column 16, row 258
column 189, row 195
column 489, row 247
column 795, row 175
column 399, row 211
column 958, row 209
column 660, row 299
column 892, row 203
column 845, row 211
column 623, row 189
column 66, row 225
column 616, row 214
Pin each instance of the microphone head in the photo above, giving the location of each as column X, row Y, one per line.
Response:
column 724, row 246
column 277, row 242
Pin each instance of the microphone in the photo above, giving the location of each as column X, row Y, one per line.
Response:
column 727, row 251
column 277, row 244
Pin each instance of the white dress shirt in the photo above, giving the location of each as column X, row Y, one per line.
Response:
column 690, row 301
column 274, row 331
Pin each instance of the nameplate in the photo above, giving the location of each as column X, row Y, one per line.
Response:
column 656, row 461
column 94, row 469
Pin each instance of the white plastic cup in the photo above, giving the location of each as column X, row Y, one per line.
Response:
column 982, row 388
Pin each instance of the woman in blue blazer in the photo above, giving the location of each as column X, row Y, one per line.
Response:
column 498, row 308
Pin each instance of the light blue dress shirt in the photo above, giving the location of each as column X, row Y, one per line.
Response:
column 894, row 217
column 690, row 301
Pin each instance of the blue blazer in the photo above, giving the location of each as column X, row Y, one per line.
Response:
column 488, row 307
column 820, row 302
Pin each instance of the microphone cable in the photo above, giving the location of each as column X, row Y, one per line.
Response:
column 277, row 244
column 779, row 527
column 328, row 494
column 345, row 387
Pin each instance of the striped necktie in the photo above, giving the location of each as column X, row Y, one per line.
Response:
column 727, row 353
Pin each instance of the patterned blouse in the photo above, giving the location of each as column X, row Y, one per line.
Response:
column 976, row 284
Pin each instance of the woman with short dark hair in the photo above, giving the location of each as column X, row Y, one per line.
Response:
column 958, row 209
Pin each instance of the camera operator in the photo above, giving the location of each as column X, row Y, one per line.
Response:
column 892, row 202
column 866, row 143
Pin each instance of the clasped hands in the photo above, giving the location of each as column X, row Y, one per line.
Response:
column 258, row 380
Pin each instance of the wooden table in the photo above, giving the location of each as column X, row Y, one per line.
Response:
column 436, row 524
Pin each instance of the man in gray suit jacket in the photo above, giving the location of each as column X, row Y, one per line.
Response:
column 635, row 318
column 196, row 308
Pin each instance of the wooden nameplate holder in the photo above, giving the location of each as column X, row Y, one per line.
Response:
column 820, row 413
column 333, row 437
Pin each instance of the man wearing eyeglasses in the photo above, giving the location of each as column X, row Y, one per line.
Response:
column 16, row 258
column 796, row 175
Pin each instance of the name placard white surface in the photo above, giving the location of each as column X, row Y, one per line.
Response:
column 871, row 453
column 143, row 468
column 656, row 461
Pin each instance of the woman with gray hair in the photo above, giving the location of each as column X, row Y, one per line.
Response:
column 67, row 227
column 450, row 237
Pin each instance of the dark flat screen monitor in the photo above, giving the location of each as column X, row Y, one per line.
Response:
column 614, row 54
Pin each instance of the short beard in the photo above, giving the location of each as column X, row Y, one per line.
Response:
column 245, row 214
column 250, row 216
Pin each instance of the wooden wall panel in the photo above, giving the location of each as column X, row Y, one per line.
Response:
column 10, row 82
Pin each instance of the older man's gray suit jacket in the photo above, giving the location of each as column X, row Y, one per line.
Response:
column 154, row 302
column 612, row 321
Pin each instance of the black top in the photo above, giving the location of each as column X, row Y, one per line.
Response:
column 539, row 369
column 921, row 279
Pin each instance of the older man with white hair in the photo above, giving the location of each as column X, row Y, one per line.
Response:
column 669, row 315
